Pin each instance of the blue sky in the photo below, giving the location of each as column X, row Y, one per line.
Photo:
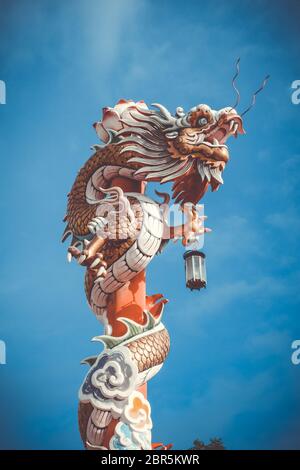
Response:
column 229, row 373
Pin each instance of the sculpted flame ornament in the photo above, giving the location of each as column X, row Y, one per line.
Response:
column 116, row 230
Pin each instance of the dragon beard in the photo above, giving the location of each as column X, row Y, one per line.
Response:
column 146, row 134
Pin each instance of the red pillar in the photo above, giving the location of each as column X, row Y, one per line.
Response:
column 130, row 300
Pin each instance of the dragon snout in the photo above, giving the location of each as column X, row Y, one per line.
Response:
column 232, row 123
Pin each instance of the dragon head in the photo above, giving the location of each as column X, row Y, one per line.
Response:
column 188, row 149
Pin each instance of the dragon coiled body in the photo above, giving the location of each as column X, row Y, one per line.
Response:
column 125, row 256
column 145, row 356
column 116, row 232
column 133, row 256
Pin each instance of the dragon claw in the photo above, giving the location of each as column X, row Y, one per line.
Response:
column 102, row 271
column 194, row 226
column 74, row 252
column 81, row 259
column 95, row 263
column 98, row 259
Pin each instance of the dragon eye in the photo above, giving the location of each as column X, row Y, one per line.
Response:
column 202, row 121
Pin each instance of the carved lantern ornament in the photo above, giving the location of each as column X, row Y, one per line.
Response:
column 195, row 269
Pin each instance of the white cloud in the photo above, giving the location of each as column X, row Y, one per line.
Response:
column 288, row 220
column 236, row 235
column 105, row 26
column 271, row 342
column 260, row 290
column 88, row 33
column 290, row 176
column 232, row 395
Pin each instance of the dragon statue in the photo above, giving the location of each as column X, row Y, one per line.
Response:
column 117, row 229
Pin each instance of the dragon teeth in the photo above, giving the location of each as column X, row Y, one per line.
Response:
column 95, row 263
column 207, row 173
column 101, row 272
column 216, row 174
column 201, row 170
